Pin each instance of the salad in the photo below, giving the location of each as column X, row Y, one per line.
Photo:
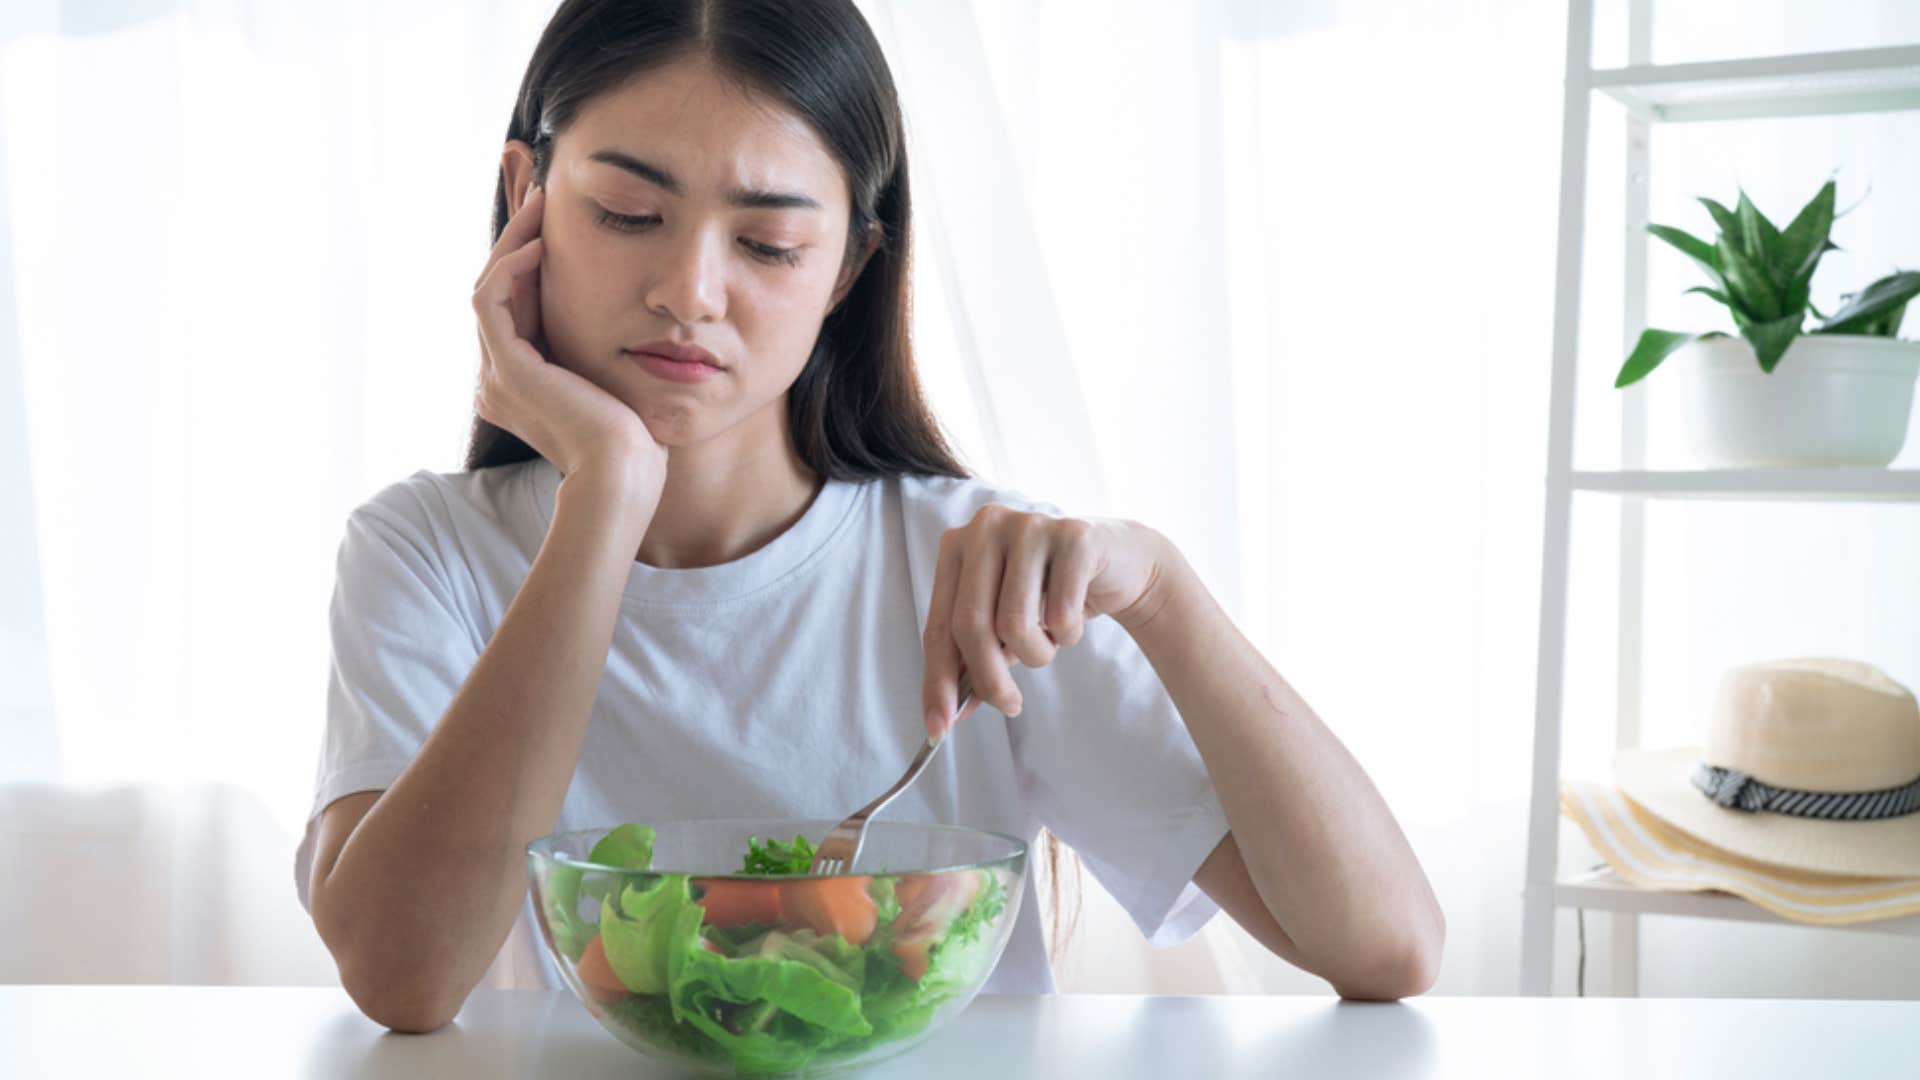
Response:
column 770, row 976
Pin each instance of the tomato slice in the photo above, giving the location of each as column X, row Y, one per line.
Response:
column 928, row 905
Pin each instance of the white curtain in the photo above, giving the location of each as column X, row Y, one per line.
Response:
column 242, row 237
column 1307, row 305
column 1275, row 278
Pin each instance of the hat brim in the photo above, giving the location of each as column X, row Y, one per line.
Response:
column 1642, row 848
column 1661, row 781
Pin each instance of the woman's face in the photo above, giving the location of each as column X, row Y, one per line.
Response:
column 682, row 208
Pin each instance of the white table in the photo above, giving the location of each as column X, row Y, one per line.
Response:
column 66, row 1032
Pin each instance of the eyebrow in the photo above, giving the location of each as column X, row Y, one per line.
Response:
column 745, row 198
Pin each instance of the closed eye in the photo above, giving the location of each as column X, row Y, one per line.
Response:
column 626, row 222
column 631, row 223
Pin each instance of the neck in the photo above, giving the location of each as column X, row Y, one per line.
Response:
column 728, row 497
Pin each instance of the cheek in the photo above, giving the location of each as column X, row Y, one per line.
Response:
column 781, row 320
column 579, row 284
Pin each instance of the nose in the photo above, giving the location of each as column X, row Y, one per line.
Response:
column 688, row 284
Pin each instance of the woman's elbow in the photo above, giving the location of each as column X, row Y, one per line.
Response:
column 1407, row 971
column 399, row 997
column 404, row 1009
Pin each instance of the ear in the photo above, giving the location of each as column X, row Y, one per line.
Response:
column 516, row 167
column 850, row 273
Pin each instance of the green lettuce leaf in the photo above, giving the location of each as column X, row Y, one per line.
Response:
column 963, row 954
column 795, row 986
column 570, row 931
column 629, row 847
column 775, row 1011
column 774, row 857
column 641, row 936
column 831, row 956
column 896, row 1005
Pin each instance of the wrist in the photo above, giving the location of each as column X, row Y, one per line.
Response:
column 617, row 492
column 1169, row 575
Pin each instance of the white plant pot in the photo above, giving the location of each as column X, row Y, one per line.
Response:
column 1834, row 399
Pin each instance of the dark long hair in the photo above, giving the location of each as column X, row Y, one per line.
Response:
column 856, row 411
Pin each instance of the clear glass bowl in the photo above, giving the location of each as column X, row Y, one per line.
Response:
column 734, row 974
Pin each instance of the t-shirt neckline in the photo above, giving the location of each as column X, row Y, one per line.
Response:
column 788, row 553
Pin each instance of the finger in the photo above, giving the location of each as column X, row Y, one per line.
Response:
column 493, row 300
column 1075, row 560
column 1017, row 611
column 939, row 686
column 523, row 226
column 524, row 302
column 974, row 601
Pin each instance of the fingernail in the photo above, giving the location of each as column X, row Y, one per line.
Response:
column 1017, row 703
column 933, row 719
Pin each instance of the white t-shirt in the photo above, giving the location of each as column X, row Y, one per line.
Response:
column 783, row 684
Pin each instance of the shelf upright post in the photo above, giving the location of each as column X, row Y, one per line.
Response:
column 1625, row 925
column 1543, row 815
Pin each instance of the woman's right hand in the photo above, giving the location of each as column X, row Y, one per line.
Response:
column 566, row 418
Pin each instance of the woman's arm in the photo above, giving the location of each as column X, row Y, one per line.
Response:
column 414, row 892
column 1308, row 830
column 1314, row 865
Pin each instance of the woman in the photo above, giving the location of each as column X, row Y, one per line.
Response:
column 711, row 550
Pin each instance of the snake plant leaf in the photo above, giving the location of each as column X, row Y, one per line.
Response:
column 1653, row 347
column 1813, row 258
column 1748, row 284
column 1866, row 312
column 1770, row 339
column 1800, row 289
column 1758, row 237
column 1723, row 219
column 1805, row 238
column 1888, row 324
column 1694, row 248
column 1713, row 293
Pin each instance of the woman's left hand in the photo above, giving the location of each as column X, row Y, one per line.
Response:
column 1016, row 587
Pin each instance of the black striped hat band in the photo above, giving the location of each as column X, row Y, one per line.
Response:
column 1736, row 790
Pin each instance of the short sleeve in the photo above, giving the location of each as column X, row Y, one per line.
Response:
column 1107, row 764
column 400, row 652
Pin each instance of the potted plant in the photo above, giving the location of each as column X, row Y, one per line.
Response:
column 1780, row 394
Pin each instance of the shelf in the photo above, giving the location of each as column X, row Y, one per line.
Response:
column 1603, row 890
column 1807, row 84
column 1763, row 485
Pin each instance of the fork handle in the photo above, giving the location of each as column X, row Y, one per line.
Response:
column 968, row 702
column 920, row 760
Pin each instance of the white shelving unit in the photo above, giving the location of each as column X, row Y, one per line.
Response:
column 1832, row 83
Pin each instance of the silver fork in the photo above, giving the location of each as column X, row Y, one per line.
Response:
column 836, row 853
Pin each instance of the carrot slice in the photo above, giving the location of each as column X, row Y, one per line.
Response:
column 832, row 906
column 913, row 956
column 597, row 973
column 731, row 902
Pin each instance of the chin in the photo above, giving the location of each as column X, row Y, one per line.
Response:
column 671, row 425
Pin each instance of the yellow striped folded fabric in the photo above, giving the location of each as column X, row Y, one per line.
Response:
column 1652, row 854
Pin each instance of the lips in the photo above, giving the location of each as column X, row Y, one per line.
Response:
column 685, row 354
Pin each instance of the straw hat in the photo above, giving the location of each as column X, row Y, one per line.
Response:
column 1805, row 800
column 1652, row 854
column 1810, row 764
